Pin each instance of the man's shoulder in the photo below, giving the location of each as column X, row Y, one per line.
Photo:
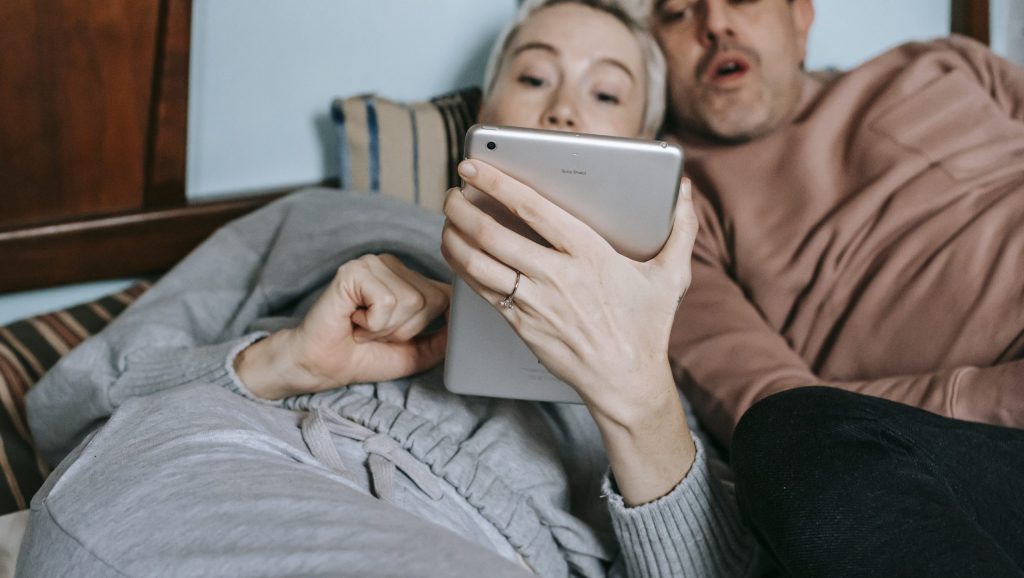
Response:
column 956, row 65
column 951, row 48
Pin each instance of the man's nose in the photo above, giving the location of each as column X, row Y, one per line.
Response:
column 716, row 21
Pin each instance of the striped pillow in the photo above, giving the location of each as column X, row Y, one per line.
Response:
column 404, row 150
column 28, row 348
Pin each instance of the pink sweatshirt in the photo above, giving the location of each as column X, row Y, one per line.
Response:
column 874, row 243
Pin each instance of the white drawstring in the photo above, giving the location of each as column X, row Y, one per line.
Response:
column 384, row 454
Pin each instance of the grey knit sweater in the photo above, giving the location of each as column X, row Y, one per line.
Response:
column 265, row 270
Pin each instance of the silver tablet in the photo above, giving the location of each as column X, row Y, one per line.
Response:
column 625, row 189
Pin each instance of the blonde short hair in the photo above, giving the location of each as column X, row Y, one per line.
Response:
column 634, row 14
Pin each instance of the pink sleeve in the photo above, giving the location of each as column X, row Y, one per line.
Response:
column 726, row 357
column 723, row 353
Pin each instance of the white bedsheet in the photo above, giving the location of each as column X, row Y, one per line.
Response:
column 12, row 529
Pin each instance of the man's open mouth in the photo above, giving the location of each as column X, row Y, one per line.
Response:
column 726, row 68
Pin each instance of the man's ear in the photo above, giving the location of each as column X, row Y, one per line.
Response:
column 803, row 18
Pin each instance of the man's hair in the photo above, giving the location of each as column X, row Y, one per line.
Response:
column 634, row 14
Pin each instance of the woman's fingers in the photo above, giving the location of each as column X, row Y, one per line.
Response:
column 674, row 258
column 387, row 298
column 492, row 237
column 490, row 278
column 385, row 360
column 371, row 298
column 562, row 230
column 435, row 300
column 397, row 303
column 338, row 341
column 436, row 294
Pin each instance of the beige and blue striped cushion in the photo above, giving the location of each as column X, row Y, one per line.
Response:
column 405, row 150
column 28, row 348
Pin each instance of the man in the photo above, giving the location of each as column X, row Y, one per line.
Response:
column 862, row 233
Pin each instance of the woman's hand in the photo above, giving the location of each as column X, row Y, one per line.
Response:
column 597, row 320
column 367, row 326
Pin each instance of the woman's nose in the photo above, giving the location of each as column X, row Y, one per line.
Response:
column 561, row 114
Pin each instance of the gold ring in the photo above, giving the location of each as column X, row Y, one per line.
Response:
column 509, row 302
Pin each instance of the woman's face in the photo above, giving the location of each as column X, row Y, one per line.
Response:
column 573, row 68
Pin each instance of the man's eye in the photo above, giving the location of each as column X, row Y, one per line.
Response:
column 607, row 98
column 531, row 81
column 669, row 15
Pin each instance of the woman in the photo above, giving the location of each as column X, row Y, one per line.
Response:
column 265, row 474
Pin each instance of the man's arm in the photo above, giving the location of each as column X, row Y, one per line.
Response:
column 726, row 357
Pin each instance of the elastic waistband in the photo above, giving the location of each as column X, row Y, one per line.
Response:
column 512, row 512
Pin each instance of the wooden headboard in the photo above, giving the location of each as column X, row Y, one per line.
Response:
column 93, row 116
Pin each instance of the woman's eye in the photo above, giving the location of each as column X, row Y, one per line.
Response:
column 531, row 81
column 607, row 98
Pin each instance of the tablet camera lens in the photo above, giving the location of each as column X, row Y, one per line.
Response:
column 492, row 145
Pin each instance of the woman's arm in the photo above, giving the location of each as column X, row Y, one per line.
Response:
column 597, row 320
column 367, row 326
column 601, row 323
column 694, row 530
column 191, row 324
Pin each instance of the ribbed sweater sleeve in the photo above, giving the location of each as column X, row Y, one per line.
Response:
column 151, row 372
column 694, row 530
column 188, row 327
column 182, row 331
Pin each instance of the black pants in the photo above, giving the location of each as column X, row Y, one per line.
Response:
column 839, row 484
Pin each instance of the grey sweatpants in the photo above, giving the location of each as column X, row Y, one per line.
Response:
column 200, row 481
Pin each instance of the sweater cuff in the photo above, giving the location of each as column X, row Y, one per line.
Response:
column 694, row 530
column 148, row 372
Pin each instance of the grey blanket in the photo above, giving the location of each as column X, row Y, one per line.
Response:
column 536, row 472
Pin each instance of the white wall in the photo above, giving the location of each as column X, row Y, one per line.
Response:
column 14, row 306
column 848, row 32
column 264, row 73
column 1008, row 29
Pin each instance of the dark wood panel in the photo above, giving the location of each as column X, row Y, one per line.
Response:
column 165, row 155
column 971, row 18
column 75, row 85
column 124, row 246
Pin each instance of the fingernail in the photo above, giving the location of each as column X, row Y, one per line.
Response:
column 467, row 170
column 686, row 192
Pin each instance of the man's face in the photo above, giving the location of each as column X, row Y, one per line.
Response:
column 735, row 66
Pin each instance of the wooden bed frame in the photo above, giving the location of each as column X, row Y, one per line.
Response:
column 92, row 153
column 93, row 110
